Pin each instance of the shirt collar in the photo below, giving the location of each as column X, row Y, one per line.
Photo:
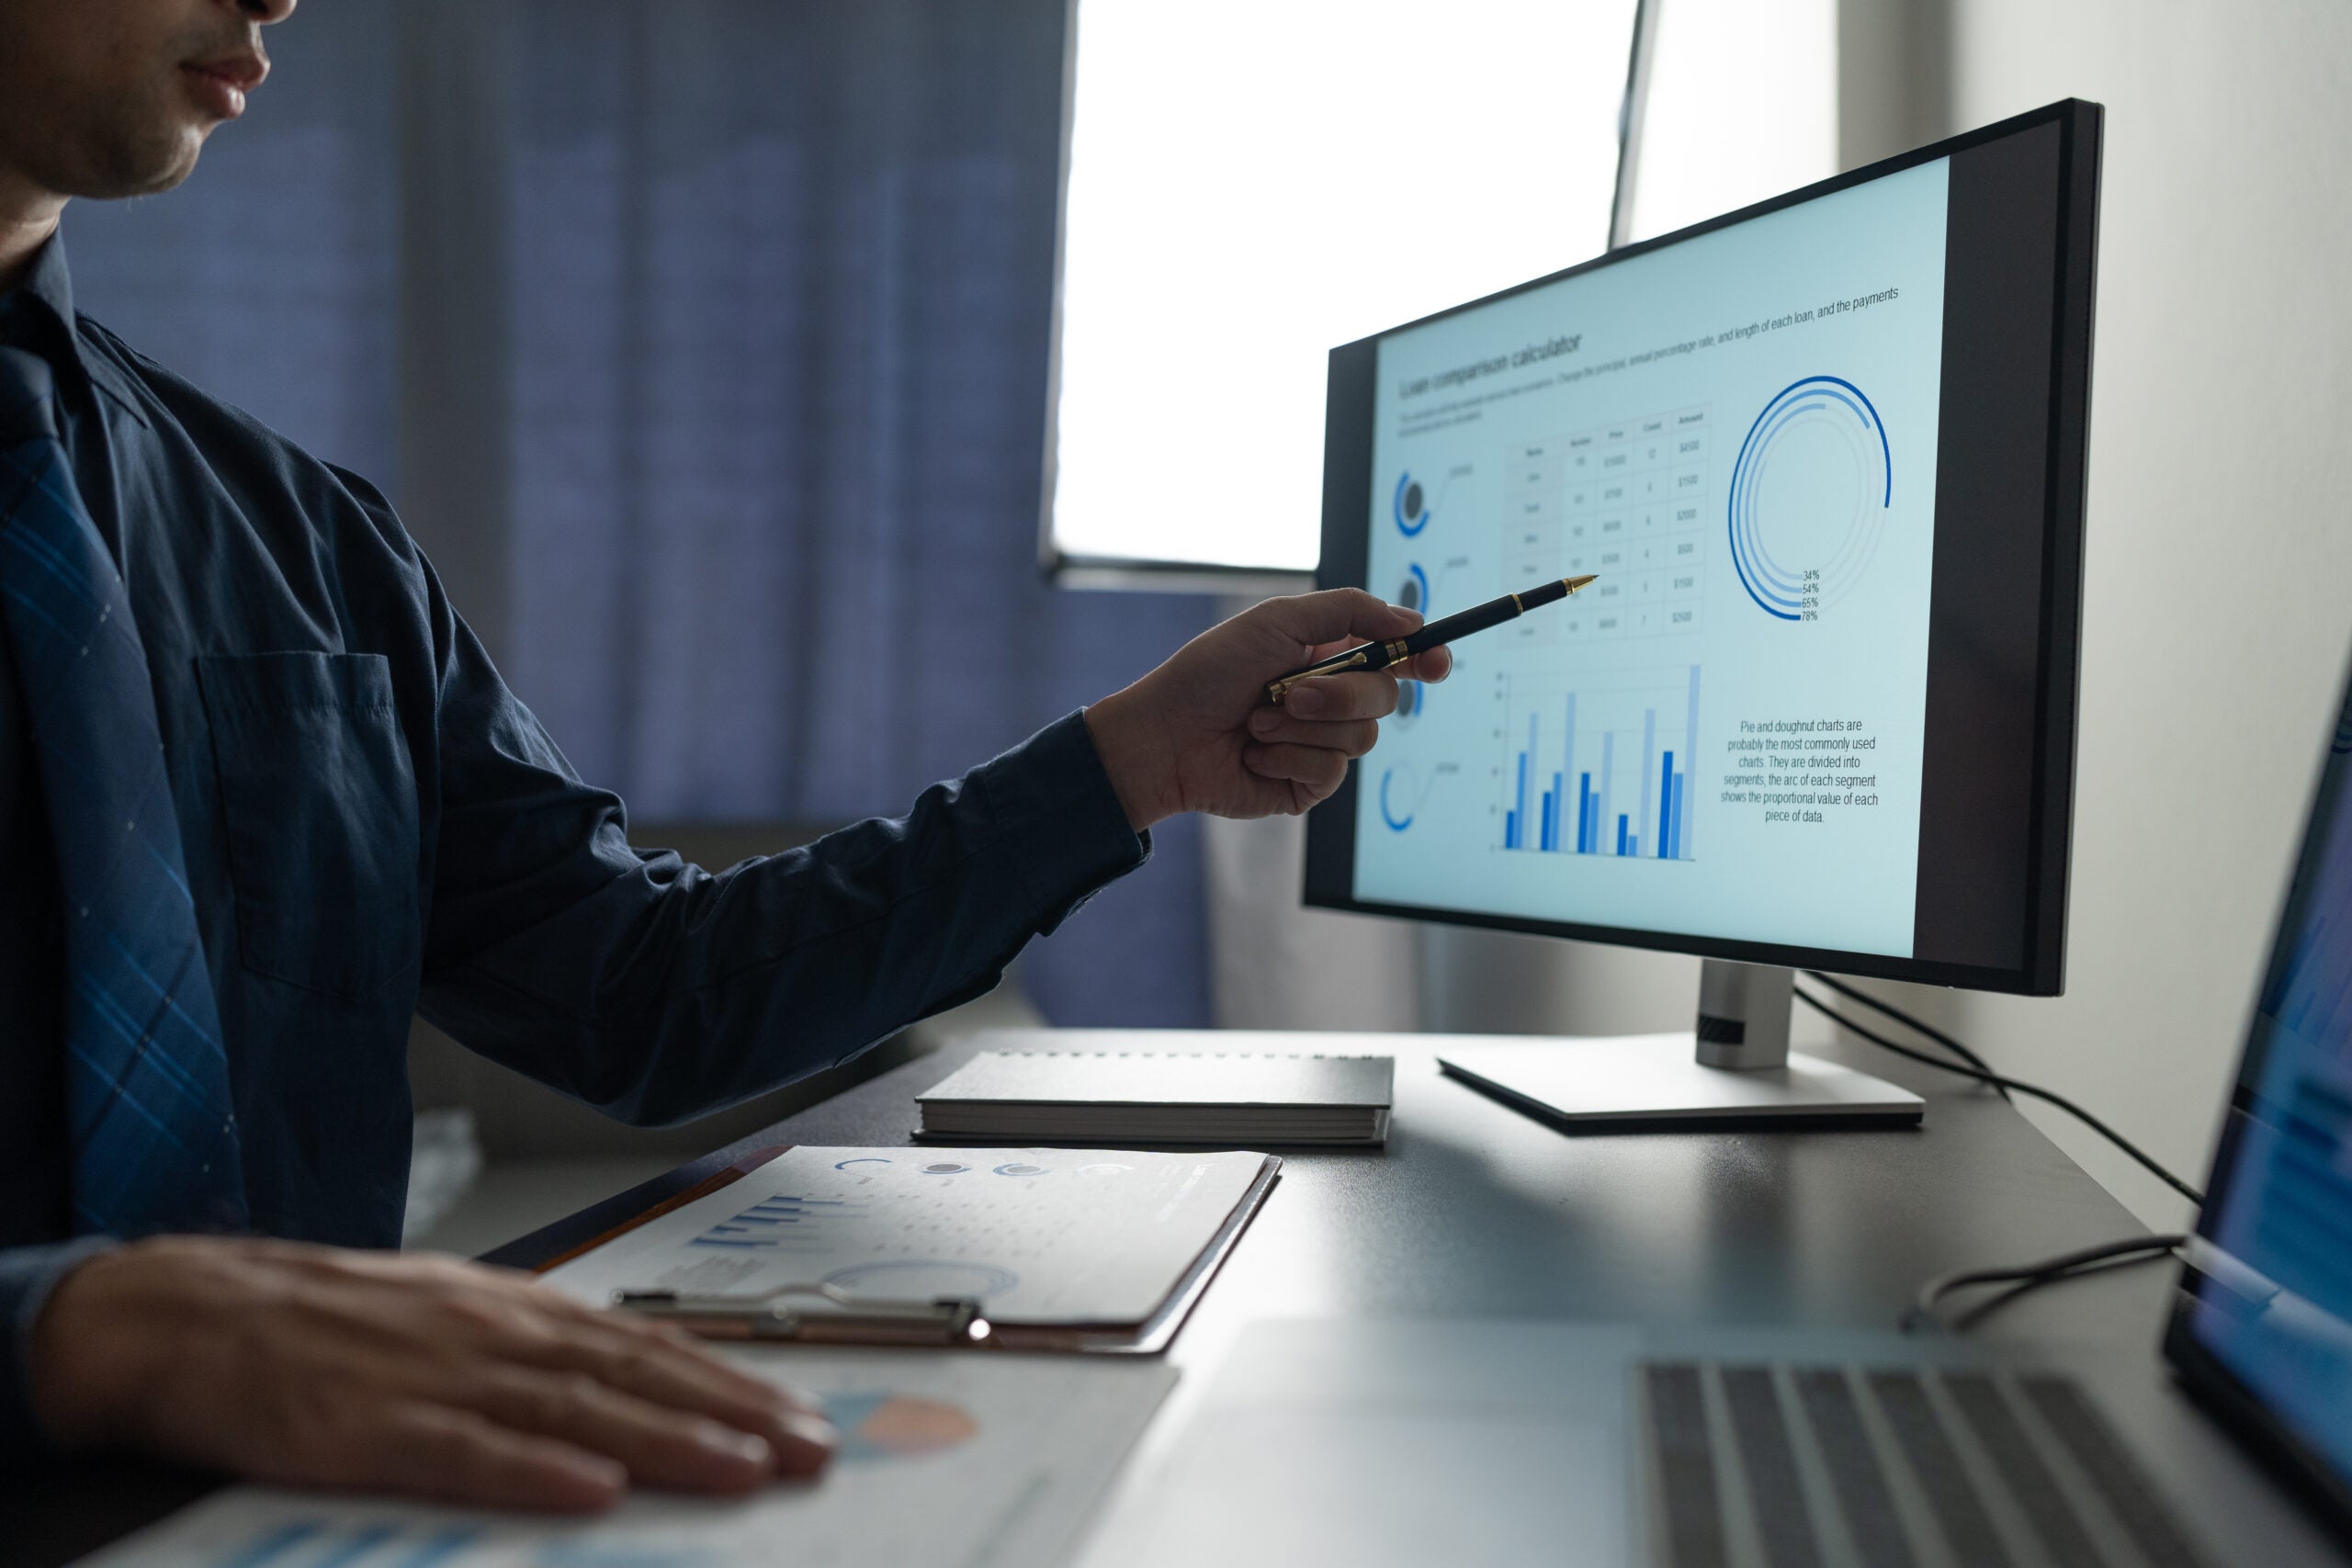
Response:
column 38, row 314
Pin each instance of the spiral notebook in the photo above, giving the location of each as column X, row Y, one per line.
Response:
column 1122, row 1087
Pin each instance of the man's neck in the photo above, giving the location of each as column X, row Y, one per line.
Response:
column 27, row 217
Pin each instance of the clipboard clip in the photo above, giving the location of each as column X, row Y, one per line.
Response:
column 785, row 1314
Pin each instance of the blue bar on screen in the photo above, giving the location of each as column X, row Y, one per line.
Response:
column 1666, row 811
column 1682, row 815
column 1601, row 798
column 1518, row 812
column 1569, row 751
column 1621, row 832
column 1682, row 789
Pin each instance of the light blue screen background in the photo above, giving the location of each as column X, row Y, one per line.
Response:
column 1640, row 454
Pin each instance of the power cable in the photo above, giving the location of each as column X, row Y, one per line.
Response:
column 2018, row 1085
column 2025, row 1276
column 1904, row 1019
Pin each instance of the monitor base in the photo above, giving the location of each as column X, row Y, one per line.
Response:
column 1643, row 1079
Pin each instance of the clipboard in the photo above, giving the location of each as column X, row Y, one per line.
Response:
column 815, row 1314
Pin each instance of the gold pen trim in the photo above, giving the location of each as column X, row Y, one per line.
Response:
column 1276, row 690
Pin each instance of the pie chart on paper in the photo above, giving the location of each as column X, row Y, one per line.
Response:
column 897, row 1426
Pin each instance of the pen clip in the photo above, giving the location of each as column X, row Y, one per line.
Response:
column 787, row 1313
column 1277, row 690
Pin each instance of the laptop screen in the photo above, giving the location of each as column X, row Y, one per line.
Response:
column 2268, row 1296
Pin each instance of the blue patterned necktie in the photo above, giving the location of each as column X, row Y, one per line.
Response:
column 154, row 1132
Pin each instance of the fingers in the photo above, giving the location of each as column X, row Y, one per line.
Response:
column 1340, row 697
column 659, row 1445
column 457, row 1456
column 1316, row 769
column 1338, row 614
column 426, row 1377
column 663, row 1367
column 1350, row 738
column 1433, row 666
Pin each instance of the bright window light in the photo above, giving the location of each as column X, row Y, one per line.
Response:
column 1743, row 105
column 1255, row 182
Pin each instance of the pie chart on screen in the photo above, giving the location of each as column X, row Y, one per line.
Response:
column 1810, row 491
column 897, row 1426
column 1412, row 505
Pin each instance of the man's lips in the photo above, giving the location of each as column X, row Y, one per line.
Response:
column 224, row 81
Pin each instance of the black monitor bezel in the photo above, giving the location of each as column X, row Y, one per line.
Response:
column 1347, row 480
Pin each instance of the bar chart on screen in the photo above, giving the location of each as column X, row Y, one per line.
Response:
column 1599, row 763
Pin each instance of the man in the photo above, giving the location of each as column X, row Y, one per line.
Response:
column 261, row 797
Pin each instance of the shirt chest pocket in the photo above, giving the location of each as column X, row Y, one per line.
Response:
column 319, row 806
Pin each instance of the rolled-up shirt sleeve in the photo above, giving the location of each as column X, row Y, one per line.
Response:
column 657, row 991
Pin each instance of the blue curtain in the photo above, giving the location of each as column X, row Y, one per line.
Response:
column 271, row 278
column 776, row 291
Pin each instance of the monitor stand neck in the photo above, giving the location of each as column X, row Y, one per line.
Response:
column 1736, row 1067
column 1745, row 1010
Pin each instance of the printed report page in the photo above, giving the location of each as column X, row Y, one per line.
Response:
column 1721, row 736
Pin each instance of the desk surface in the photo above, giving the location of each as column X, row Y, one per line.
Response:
column 1475, row 1211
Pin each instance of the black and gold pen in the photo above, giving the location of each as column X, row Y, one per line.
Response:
column 1381, row 655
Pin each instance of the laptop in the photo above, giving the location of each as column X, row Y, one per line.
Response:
column 1411, row 1442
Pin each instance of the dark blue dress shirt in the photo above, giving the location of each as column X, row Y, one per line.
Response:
column 375, row 827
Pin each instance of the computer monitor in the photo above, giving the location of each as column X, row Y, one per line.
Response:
column 1826, row 456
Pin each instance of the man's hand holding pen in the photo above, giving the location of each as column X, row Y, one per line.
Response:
column 1262, row 716
column 1197, row 735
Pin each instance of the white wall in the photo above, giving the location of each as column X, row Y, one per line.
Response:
column 2216, row 618
column 1743, row 105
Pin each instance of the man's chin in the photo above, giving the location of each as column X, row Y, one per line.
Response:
column 165, row 179
column 152, row 167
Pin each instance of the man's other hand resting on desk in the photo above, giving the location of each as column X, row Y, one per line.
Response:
column 315, row 1366
column 263, row 799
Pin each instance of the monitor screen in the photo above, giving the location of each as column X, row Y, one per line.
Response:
column 2267, row 1308
column 1824, row 457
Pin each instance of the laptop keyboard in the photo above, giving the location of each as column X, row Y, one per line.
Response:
column 1774, row 1465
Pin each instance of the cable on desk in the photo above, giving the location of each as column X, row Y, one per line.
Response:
column 1904, row 1019
column 2027, row 1276
column 2020, row 1085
